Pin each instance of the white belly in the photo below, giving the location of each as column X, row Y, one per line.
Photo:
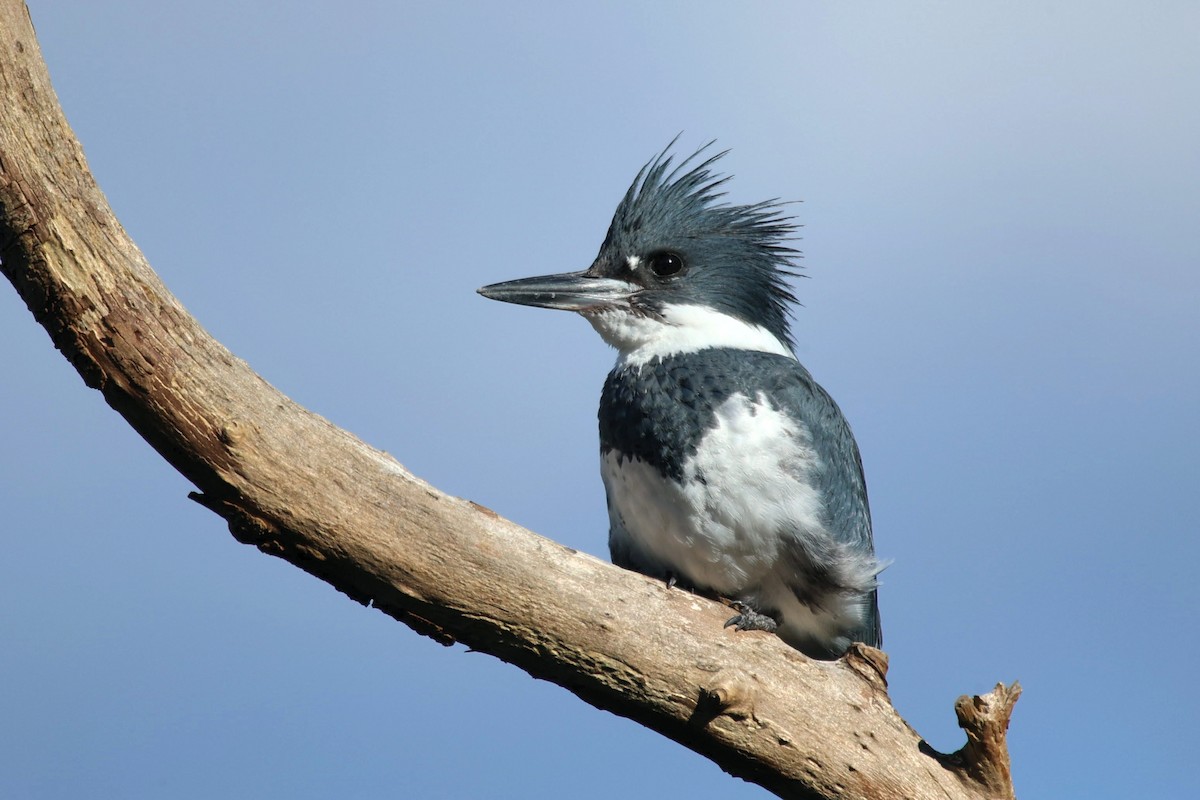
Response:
column 732, row 526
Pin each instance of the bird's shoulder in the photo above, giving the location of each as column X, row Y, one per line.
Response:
column 699, row 382
column 670, row 401
column 660, row 411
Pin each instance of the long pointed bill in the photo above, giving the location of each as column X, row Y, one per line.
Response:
column 571, row 291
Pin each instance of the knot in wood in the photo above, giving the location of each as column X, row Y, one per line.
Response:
column 869, row 663
column 729, row 692
column 230, row 434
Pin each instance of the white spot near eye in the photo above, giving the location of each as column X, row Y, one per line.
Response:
column 634, row 262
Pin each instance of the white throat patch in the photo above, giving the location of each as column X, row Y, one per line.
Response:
column 680, row 329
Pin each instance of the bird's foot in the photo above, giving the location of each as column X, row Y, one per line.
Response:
column 750, row 620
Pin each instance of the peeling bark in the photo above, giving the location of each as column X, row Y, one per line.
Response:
column 295, row 486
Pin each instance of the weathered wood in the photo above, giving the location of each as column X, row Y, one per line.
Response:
column 295, row 486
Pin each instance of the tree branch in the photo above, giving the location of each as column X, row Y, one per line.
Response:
column 295, row 486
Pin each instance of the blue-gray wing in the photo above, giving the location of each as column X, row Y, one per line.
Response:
column 839, row 474
column 840, row 477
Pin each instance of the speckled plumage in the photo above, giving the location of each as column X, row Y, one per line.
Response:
column 659, row 412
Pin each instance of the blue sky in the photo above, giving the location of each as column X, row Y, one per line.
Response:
column 999, row 206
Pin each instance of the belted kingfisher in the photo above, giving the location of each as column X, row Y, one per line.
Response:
column 727, row 468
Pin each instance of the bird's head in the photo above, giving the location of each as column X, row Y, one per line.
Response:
column 679, row 270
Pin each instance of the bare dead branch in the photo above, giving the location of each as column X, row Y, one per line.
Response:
column 295, row 486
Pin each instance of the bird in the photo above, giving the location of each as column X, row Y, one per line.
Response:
column 727, row 469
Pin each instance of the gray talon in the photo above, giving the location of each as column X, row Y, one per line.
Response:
column 750, row 620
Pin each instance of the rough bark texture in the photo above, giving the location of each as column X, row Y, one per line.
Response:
column 295, row 486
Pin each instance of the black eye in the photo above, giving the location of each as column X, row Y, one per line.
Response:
column 664, row 263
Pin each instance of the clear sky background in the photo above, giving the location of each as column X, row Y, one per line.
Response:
column 1000, row 206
